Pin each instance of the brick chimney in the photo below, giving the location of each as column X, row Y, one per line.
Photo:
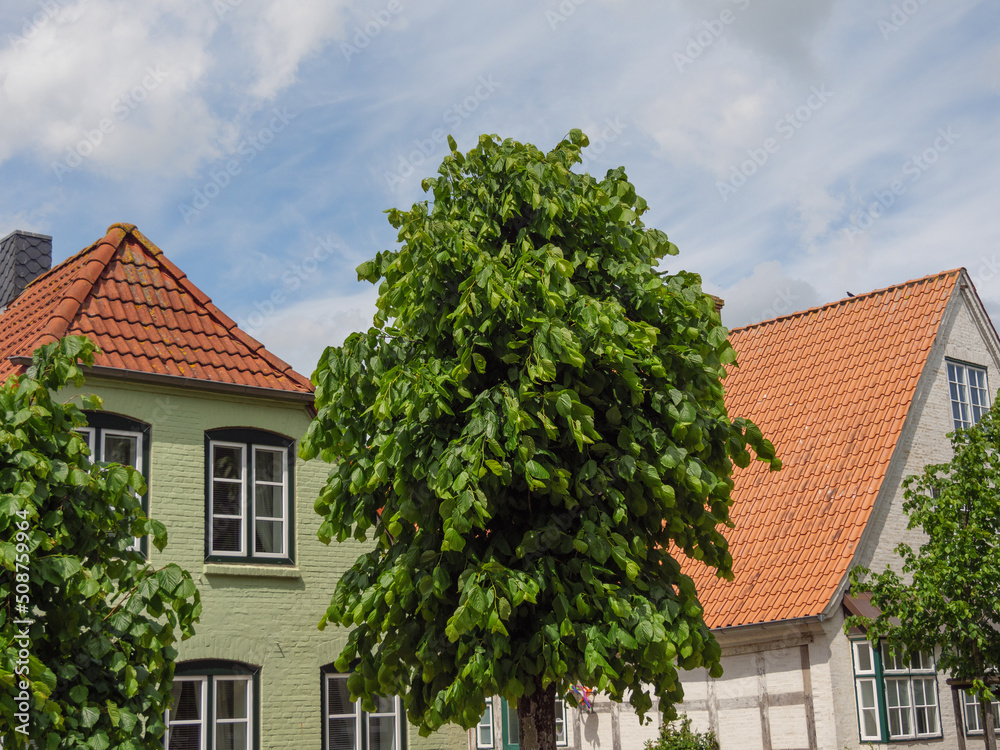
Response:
column 24, row 256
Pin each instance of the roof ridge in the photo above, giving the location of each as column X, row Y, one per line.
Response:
column 855, row 298
column 62, row 317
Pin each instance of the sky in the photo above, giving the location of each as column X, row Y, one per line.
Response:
column 794, row 151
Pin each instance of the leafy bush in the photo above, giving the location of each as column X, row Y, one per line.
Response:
column 678, row 735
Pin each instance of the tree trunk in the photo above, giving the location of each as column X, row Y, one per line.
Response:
column 985, row 709
column 989, row 731
column 536, row 719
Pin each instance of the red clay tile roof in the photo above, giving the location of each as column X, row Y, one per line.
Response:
column 831, row 387
column 145, row 315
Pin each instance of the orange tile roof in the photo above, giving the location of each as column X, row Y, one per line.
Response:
column 830, row 387
column 144, row 313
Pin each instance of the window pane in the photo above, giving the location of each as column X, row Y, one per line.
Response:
column 268, row 501
column 226, row 535
column 972, row 723
column 381, row 733
column 338, row 700
column 267, row 465
column 231, row 699
column 863, row 656
column 227, row 462
column 342, row 734
column 484, row 731
column 121, row 449
column 268, row 538
column 231, row 737
column 185, row 737
column 226, row 498
column 513, row 728
column 185, row 701
column 385, row 705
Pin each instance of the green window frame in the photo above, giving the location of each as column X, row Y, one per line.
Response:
column 347, row 727
column 511, row 729
column 896, row 699
column 249, row 497
column 114, row 438
column 214, row 705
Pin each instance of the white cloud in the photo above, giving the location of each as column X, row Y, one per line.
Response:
column 766, row 293
column 299, row 333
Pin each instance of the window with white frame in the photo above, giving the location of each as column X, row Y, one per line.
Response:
column 484, row 729
column 115, row 439
column 897, row 699
column 347, row 727
column 249, row 478
column 973, row 720
column 212, row 707
column 970, row 395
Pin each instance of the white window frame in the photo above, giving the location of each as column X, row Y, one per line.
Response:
column 89, row 435
column 209, row 722
column 968, row 391
column 252, row 503
column 484, row 726
column 247, row 482
column 971, row 717
column 202, row 723
column 242, row 482
column 562, row 735
column 136, row 545
column 361, row 717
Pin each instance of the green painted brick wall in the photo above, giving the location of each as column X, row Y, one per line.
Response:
column 252, row 613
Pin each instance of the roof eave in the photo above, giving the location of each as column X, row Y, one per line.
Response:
column 179, row 381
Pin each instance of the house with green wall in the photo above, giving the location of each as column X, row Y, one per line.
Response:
column 213, row 420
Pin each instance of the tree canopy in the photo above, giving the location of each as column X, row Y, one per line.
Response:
column 86, row 625
column 945, row 597
column 532, row 433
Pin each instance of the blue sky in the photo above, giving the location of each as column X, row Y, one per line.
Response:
column 793, row 151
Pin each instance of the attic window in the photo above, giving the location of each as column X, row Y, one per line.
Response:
column 970, row 396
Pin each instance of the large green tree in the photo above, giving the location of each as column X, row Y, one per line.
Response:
column 86, row 625
column 945, row 597
column 532, row 433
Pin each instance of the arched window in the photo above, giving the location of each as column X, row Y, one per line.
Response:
column 112, row 438
column 214, row 705
column 347, row 727
column 249, row 496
